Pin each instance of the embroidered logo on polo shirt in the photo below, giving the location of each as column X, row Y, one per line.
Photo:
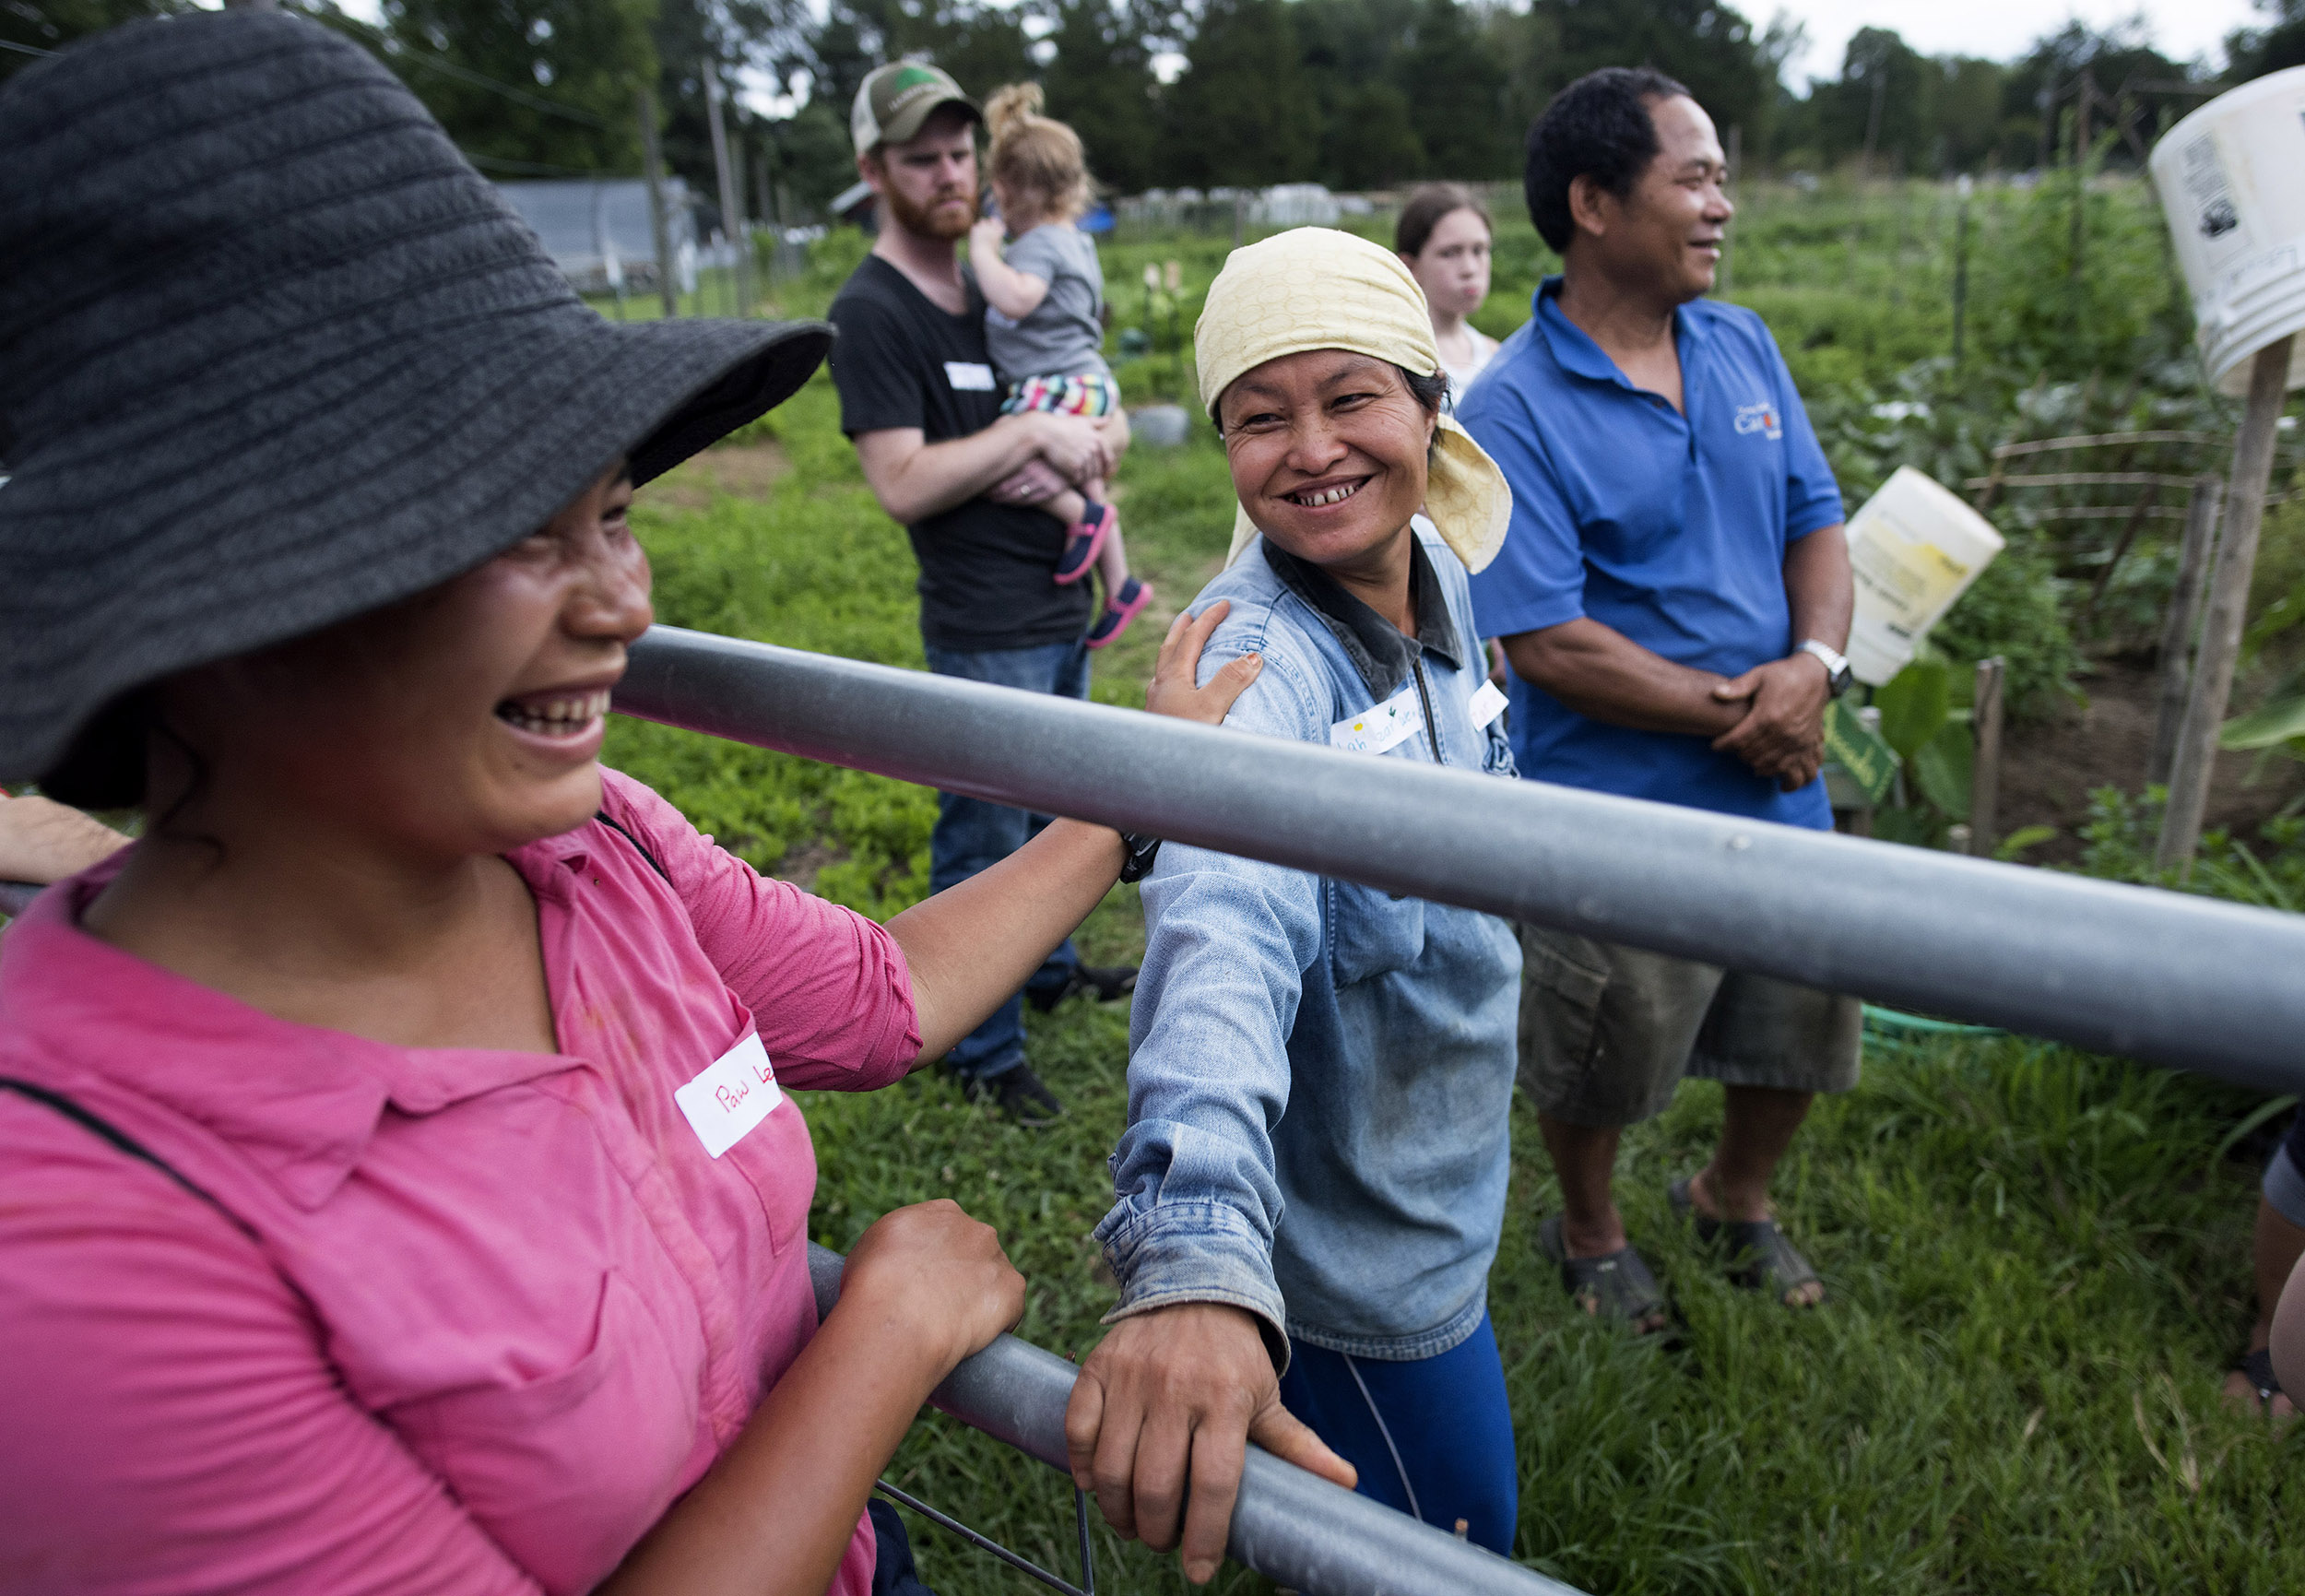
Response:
column 1761, row 418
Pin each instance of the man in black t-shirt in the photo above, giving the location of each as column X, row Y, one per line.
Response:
column 919, row 399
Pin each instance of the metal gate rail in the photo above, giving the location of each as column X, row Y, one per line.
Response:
column 1293, row 1527
column 2163, row 976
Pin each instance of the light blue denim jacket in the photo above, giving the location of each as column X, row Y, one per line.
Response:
column 1319, row 1072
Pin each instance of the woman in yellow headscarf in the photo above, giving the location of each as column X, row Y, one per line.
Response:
column 1313, row 1176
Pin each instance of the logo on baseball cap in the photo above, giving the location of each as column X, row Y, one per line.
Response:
column 893, row 103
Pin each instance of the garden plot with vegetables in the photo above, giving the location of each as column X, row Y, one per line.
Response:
column 2038, row 1257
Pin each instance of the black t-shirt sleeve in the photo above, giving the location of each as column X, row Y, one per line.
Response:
column 876, row 368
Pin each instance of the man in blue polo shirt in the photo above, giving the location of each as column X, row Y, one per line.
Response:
column 1674, row 596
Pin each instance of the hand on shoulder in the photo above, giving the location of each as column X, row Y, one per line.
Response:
column 1174, row 689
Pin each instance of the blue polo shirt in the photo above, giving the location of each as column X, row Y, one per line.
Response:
column 1671, row 528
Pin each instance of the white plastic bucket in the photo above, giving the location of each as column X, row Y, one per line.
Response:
column 1914, row 549
column 2231, row 178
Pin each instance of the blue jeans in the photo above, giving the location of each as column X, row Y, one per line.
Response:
column 1431, row 1436
column 972, row 835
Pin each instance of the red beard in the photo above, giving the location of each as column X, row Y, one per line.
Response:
column 948, row 216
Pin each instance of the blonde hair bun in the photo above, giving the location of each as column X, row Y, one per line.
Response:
column 1033, row 154
column 1011, row 106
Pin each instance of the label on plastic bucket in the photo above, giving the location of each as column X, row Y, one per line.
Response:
column 2209, row 207
column 1907, row 580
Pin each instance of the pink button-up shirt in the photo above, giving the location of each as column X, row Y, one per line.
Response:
column 499, row 1309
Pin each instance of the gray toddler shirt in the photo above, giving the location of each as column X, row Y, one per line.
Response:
column 1063, row 336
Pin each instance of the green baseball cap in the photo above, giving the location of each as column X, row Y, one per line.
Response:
column 893, row 103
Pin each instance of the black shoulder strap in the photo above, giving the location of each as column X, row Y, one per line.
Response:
column 122, row 1140
column 606, row 820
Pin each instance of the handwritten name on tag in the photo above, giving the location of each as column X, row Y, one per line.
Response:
column 732, row 1094
column 1488, row 702
column 969, row 376
column 1375, row 730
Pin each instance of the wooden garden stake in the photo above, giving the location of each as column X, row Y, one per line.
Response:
column 2228, row 605
column 1984, row 781
column 2184, row 620
column 1960, row 267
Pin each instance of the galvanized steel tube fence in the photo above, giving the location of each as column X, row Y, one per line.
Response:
column 2185, row 981
column 1290, row 1526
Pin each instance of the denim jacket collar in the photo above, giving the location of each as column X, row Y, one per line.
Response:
column 1375, row 646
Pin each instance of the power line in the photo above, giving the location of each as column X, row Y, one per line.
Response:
column 465, row 74
column 394, row 50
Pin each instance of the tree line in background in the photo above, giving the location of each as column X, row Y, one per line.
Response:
column 1358, row 94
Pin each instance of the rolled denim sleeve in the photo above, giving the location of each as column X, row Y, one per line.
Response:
column 1227, row 943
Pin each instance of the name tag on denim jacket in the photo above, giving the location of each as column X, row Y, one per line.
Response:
column 733, row 1094
column 1375, row 730
column 1488, row 702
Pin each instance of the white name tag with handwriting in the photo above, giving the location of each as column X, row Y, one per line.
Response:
column 734, row 1094
column 969, row 376
column 1488, row 702
column 1375, row 730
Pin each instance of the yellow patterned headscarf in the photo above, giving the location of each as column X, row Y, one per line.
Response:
column 1314, row 287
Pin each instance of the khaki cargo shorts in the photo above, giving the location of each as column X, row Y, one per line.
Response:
column 1607, row 1032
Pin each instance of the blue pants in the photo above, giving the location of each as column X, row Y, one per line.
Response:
column 2284, row 1183
column 972, row 835
column 1432, row 1438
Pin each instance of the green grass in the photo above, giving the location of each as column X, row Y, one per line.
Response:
column 2038, row 1260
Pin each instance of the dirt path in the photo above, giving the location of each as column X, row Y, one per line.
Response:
column 2051, row 768
column 742, row 471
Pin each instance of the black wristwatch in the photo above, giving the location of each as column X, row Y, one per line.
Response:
column 1142, row 851
column 1839, row 678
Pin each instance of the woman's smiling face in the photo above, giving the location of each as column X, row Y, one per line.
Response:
column 465, row 720
column 1327, row 450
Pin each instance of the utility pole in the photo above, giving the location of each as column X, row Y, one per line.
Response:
column 1872, row 119
column 652, row 164
column 732, row 210
column 2085, row 92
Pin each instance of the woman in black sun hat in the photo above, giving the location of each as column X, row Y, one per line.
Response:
column 401, row 1192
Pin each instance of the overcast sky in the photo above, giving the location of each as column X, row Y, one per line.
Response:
column 1998, row 28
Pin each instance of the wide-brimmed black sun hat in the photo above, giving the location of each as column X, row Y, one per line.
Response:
column 272, row 354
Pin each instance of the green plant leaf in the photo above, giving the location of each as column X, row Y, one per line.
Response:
column 2267, row 724
column 2011, row 847
column 1915, row 828
column 1915, row 706
column 1942, row 768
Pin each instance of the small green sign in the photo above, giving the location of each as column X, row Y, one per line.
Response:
column 1858, row 749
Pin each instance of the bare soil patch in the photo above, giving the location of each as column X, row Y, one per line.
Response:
column 2049, row 768
column 740, row 470
column 802, row 860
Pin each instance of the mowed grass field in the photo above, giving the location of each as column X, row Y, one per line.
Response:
column 2038, row 1258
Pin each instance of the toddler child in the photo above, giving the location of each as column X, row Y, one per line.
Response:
column 1044, row 322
